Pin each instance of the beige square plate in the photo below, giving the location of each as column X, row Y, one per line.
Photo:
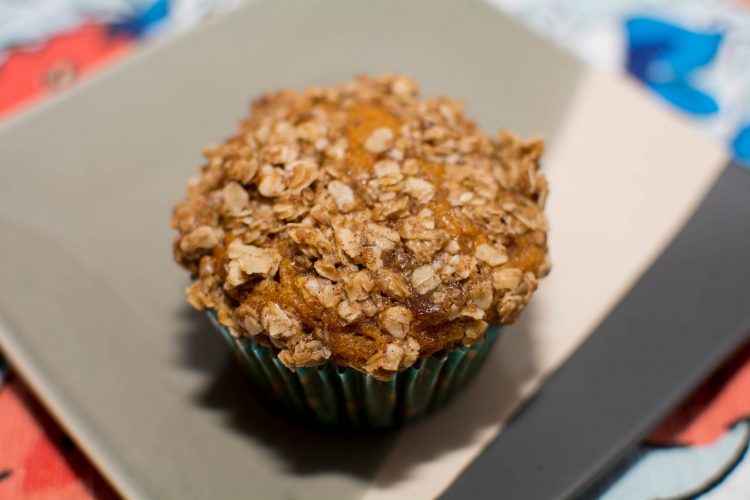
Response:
column 92, row 307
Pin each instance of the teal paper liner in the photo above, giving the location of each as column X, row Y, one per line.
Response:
column 346, row 398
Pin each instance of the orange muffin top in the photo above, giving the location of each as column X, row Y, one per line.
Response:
column 363, row 226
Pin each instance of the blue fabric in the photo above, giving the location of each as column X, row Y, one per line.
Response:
column 665, row 57
column 675, row 472
column 741, row 145
column 143, row 20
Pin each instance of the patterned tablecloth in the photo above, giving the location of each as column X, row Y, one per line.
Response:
column 692, row 54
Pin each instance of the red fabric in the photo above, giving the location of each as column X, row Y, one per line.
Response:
column 37, row 461
column 720, row 402
column 29, row 73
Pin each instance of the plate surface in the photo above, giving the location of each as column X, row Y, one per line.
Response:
column 92, row 308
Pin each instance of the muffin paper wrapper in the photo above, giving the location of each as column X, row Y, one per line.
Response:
column 346, row 398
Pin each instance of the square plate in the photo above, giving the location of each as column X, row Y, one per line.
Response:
column 93, row 313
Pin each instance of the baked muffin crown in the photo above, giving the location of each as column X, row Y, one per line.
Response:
column 363, row 226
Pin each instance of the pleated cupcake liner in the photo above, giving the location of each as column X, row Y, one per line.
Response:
column 346, row 399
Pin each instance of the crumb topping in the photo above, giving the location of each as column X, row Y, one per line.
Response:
column 363, row 226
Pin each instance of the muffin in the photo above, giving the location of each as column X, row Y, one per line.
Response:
column 359, row 248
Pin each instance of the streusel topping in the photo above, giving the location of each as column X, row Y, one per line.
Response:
column 363, row 226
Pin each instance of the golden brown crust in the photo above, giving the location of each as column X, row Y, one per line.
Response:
column 362, row 226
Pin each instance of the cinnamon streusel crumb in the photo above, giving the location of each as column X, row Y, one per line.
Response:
column 362, row 226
